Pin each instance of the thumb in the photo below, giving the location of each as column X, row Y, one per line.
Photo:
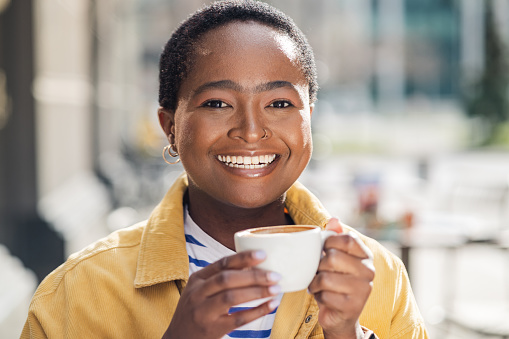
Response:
column 334, row 225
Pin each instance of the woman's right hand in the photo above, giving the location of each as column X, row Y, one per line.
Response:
column 202, row 311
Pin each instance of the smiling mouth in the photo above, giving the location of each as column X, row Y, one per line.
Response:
column 247, row 162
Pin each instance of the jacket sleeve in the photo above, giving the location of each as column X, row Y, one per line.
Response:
column 407, row 322
column 33, row 328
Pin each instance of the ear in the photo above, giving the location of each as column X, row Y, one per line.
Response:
column 167, row 122
column 311, row 108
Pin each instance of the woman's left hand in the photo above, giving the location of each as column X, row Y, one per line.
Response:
column 343, row 283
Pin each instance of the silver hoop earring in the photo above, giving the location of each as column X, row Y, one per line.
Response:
column 170, row 149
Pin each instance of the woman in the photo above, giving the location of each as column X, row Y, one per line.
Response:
column 237, row 87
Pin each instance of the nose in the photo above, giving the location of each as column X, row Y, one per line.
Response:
column 249, row 126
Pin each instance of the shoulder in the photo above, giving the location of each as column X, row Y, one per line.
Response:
column 119, row 248
column 383, row 258
column 391, row 308
column 391, row 277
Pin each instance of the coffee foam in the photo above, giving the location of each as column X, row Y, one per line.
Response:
column 277, row 230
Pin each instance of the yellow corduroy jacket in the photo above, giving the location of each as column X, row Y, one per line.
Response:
column 127, row 284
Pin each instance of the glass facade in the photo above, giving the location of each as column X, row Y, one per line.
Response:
column 432, row 30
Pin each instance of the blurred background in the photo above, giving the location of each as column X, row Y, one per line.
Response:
column 411, row 138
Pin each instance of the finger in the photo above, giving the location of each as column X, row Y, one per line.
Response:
column 224, row 300
column 240, row 318
column 232, row 279
column 334, row 225
column 349, row 243
column 343, row 304
column 340, row 292
column 340, row 283
column 341, row 262
column 233, row 262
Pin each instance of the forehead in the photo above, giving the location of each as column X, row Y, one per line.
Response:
column 246, row 34
column 242, row 42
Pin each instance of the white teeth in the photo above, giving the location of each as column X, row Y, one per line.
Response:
column 238, row 161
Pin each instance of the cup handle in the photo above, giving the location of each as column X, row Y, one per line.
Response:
column 326, row 234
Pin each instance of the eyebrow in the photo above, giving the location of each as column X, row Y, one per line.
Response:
column 229, row 84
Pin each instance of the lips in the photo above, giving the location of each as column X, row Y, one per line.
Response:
column 247, row 162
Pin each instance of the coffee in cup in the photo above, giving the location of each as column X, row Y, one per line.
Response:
column 293, row 251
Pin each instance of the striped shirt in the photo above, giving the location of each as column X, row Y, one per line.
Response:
column 203, row 250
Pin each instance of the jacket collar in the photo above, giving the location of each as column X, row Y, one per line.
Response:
column 304, row 207
column 163, row 255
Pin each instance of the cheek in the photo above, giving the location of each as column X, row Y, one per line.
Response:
column 305, row 130
column 185, row 134
column 195, row 134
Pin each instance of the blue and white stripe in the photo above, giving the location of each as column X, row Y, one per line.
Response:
column 203, row 250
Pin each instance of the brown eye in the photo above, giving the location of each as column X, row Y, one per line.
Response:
column 215, row 104
column 280, row 104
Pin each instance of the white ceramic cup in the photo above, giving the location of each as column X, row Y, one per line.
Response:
column 293, row 251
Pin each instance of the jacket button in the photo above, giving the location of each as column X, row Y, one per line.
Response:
column 308, row 318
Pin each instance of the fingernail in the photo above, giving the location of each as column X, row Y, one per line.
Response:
column 274, row 276
column 274, row 289
column 273, row 303
column 259, row 255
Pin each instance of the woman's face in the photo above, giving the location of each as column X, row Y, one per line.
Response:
column 242, row 123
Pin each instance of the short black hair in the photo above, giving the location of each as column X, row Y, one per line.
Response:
column 176, row 58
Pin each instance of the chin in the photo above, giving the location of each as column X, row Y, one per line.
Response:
column 250, row 204
column 253, row 201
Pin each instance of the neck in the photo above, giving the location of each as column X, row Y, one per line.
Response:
column 221, row 220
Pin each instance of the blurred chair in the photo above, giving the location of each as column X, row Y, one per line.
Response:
column 486, row 204
column 488, row 319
